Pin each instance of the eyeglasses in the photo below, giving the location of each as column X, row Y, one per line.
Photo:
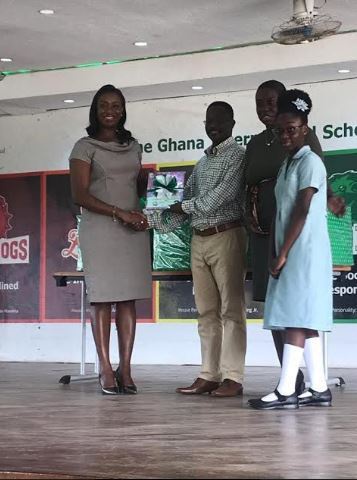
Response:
column 288, row 130
column 217, row 122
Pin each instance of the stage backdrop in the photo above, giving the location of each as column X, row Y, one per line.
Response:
column 39, row 237
column 170, row 130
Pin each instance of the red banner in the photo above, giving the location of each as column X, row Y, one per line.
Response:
column 20, row 231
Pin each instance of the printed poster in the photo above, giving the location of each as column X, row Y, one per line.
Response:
column 62, row 303
column 176, row 302
column 20, row 223
column 342, row 175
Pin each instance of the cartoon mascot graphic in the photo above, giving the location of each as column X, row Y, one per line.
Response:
column 12, row 250
column 5, row 218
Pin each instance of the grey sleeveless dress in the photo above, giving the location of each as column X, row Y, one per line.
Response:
column 116, row 260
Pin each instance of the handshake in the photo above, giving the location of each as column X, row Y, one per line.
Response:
column 138, row 221
column 134, row 220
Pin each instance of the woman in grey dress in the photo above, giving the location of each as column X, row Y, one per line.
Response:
column 104, row 169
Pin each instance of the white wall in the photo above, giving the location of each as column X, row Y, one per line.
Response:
column 43, row 142
column 155, row 344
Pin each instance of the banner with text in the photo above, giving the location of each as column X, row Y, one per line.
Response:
column 20, row 217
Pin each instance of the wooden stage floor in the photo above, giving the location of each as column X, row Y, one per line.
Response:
column 73, row 431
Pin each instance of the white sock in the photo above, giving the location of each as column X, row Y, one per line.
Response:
column 314, row 363
column 291, row 363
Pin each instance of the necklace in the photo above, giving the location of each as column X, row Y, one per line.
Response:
column 270, row 142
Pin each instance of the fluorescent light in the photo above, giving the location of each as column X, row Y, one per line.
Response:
column 140, row 44
column 197, row 87
column 344, row 70
column 46, row 11
column 5, row 59
column 68, row 100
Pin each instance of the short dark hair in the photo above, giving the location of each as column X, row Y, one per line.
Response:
column 228, row 108
column 124, row 136
column 295, row 101
column 275, row 85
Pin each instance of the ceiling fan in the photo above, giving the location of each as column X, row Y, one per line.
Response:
column 306, row 25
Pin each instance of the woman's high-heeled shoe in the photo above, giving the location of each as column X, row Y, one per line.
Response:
column 126, row 389
column 108, row 390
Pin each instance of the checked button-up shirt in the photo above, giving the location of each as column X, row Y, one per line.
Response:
column 215, row 192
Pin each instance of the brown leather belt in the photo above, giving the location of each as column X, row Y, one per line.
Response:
column 218, row 228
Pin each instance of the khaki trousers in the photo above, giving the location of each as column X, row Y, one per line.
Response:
column 218, row 270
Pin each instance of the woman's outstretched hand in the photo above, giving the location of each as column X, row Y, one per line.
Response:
column 141, row 224
column 135, row 220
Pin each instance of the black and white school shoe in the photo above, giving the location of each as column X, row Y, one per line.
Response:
column 281, row 402
column 316, row 399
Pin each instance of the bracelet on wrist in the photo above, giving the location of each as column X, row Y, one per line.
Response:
column 114, row 214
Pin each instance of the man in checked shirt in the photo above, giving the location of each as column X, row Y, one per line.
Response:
column 214, row 200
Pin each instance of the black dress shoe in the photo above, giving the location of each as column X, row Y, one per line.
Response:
column 282, row 402
column 130, row 389
column 317, row 399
